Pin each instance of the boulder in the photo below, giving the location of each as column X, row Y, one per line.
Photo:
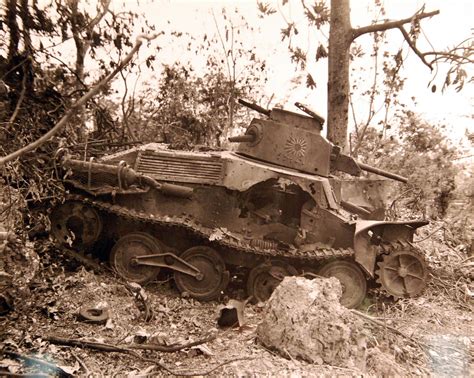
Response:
column 304, row 319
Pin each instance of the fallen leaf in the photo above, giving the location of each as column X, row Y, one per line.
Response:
column 204, row 349
column 71, row 369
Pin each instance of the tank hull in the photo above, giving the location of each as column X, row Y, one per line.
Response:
column 204, row 214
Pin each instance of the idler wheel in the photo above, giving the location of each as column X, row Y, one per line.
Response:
column 402, row 273
column 122, row 257
column 213, row 277
column 264, row 278
column 76, row 225
column 352, row 279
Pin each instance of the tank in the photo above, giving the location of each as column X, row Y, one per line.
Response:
column 269, row 209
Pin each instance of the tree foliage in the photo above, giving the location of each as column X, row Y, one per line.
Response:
column 343, row 49
column 186, row 109
column 38, row 86
column 193, row 102
column 421, row 152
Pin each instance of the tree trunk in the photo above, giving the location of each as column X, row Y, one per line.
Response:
column 11, row 13
column 340, row 38
column 81, row 43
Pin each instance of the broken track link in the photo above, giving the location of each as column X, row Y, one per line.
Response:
column 227, row 240
column 85, row 259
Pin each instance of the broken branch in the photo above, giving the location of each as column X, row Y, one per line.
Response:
column 125, row 348
column 83, row 365
column 171, row 348
column 104, row 347
column 79, row 103
column 112, row 348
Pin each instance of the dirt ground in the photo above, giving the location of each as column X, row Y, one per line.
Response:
column 429, row 335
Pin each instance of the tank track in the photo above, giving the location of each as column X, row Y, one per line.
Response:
column 222, row 238
column 390, row 247
column 85, row 259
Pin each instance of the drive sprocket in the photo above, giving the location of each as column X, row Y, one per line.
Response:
column 402, row 272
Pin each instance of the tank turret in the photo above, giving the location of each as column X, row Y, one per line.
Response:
column 294, row 141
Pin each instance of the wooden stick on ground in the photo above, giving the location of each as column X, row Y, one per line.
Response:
column 171, row 348
column 85, row 344
column 112, row 348
column 124, row 348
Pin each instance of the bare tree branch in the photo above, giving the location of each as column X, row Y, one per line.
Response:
column 79, row 103
column 100, row 15
column 412, row 45
column 83, row 44
column 448, row 55
column 390, row 24
column 126, row 112
column 361, row 132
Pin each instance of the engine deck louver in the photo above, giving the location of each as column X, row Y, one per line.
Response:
column 184, row 167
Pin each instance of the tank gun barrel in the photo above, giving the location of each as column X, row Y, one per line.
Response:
column 346, row 163
column 381, row 172
column 255, row 107
column 246, row 138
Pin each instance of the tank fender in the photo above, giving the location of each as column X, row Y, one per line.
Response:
column 366, row 231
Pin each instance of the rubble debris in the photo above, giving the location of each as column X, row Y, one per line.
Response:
column 304, row 319
column 94, row 314
column 232, row 314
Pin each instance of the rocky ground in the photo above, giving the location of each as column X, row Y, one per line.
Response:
column 431, row 334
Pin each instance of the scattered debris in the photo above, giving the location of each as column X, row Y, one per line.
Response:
column 94, row 314
column 48, row 366
column 403, row 338
column 232, row 314
column 141, row 298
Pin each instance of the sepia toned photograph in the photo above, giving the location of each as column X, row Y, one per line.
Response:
column 239, row 188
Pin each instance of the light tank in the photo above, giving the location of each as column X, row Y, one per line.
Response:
column 269, row 209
